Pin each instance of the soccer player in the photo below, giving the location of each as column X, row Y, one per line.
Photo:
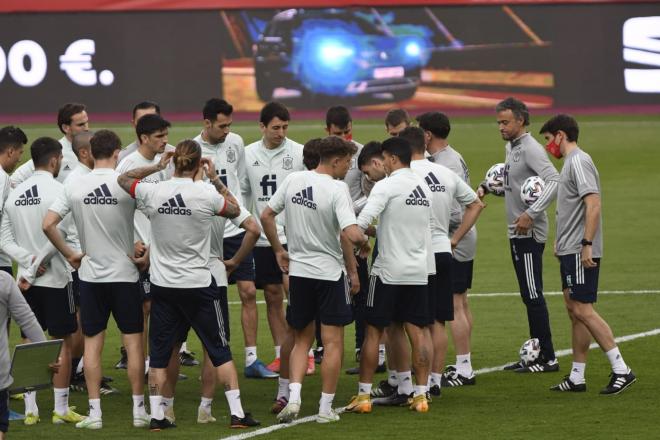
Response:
column 399, row 275
column 579, row 247
column 436, row 128
column 184, row 293
column 103, row 215
column 528, row 225
column 12, row 140
column 268, row 162
column 446, row 189
column 396, row 120
column 140, row 109
column 71, row 120
column 317, row 211
column 50, row 297
column 227, row 151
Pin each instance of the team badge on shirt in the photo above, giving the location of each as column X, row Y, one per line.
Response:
column 231, row 155
column 287, row 163
column 516, row 155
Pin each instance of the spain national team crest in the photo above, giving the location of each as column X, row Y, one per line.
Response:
column 231, row 155
column 516, row 155
column 287, row 163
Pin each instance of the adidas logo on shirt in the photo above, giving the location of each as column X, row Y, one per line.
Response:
column 305, row 198
column 100, row 196
column 434, row 183
column 175, row 206
column 29, row 198
column 417, row 197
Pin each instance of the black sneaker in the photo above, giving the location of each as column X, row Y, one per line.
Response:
column 107, row 389
column 384, row 389
column 619, row 382
column 158, row 425
column 435, row 390
column 318, row 356
column 514, row 366
column 123, row 362
column 539, row 366
column 568, row 385
column 395, row 399
column 78, row 383
column 187, row 359
column 381, row 368
column 354, row 370
column 454, row 379
column 245, row 422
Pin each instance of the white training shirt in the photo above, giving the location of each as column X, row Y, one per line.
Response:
column 22, row 236
column 5, row 189
column 265, row 171
column 316, row 209
column 181, row 213
column 403, row 229
column 229, row 160
column 69, row 163
column 70, row 227
column 444, row 187
column 137, row 160
column 103, row 214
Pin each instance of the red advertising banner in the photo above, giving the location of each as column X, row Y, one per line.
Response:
column 166, row 5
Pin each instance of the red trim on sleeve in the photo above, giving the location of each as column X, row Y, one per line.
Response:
column 222, row 211
column 132, row 190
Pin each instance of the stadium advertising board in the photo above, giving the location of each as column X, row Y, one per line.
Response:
column 563, row 55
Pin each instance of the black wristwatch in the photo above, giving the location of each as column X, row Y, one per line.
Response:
column 586, row 242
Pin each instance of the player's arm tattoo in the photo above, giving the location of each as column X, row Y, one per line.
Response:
column 126, row 180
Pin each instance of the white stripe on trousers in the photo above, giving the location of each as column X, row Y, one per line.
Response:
column 221, row 322
column 72, row 302
column 579, row 270
column 347, row 290
column 372, row 288
column 529, row 273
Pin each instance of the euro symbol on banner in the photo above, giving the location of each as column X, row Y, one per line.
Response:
column 77, row 64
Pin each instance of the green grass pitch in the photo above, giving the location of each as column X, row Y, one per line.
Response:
column 501, row 405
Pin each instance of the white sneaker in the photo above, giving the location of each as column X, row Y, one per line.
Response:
column 90, row 423
column 330, row 417
column 204, row 416
column 141, row 420
column 289, row 412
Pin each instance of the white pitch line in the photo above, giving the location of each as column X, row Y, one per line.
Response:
column 308, row 419
column 500, row 294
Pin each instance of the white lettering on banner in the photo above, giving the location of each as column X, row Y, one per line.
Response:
column 641, row 41
column 27, row 64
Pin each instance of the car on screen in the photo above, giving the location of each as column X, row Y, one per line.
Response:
column 336, row 53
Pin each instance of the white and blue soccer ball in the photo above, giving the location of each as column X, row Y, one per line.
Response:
column 531, row 190
column 530, row 350
column 495, row 179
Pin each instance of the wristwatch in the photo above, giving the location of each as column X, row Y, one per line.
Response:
column 586, row 242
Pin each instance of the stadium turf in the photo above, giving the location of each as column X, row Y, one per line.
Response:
column 502, row 404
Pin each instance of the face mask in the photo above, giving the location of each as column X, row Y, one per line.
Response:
column 553, row 148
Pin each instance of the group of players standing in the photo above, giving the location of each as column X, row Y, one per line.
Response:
column 147, row 238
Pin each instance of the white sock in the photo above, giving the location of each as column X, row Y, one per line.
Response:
column 283, row 388
column 404, row 379
column 364, row 388
column 381, row 354
column 464, row 364
column 184, row 347
column 310, row 353
column 391, row 378
column 294, row 391
column 61, row 400
column 167, row 402
column 80, row 366
column 325, row 404
column 234, row 401
column 205, row 404
column 146, row 365
column 436, row 378
column 577, row 372
column 95, row 409
column 616, row 360
column 277, row 351
column 250, row 355
column 138, row 405
column 420, row 390
column 157, row 410
column 30, row 399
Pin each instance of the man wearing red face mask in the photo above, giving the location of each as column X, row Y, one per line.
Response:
column 528, row 225
column 579, row 247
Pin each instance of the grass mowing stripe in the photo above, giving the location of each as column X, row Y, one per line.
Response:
column 308, row 419
column 497, row 294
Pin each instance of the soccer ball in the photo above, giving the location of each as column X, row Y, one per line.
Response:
column 495, row 179
column 531, row 190
column 530, row 350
